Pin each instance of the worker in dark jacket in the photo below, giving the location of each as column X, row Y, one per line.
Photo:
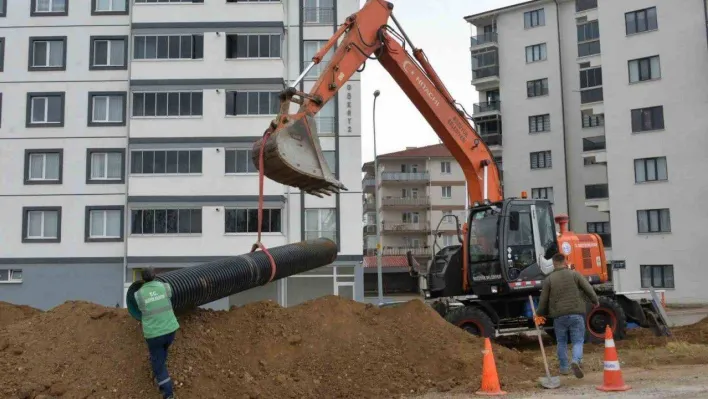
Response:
column 563, row 299
column 159, row 326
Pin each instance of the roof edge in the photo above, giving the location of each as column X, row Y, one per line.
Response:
column 470, row 18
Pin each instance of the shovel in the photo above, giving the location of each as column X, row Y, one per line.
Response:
column 547, row 381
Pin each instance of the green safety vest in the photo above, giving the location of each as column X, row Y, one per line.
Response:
column 154, row 302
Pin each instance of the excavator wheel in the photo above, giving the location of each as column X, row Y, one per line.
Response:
column 293, row 157
column 608, row 313
column 473, row 320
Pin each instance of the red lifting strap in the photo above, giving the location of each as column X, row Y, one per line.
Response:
column 261, row 177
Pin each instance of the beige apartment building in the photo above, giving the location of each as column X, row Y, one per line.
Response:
column 418, row 186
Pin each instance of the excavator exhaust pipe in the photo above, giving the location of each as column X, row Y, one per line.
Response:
column 293, row 156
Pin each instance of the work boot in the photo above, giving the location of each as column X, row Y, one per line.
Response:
column 577, row 370
column 565, row 372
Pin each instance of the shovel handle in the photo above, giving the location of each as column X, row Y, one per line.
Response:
column 540, row 339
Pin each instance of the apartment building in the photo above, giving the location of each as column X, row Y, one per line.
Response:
column 603, row 104
column 127, row 128
column 420, row 189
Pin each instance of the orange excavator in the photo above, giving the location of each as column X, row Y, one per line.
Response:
column 482, row 284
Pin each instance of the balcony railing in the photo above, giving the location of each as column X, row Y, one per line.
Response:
column 370, row 205
column 405, row 176
column 597, row 143
column 368, row 182
column 591, row 96
column 318, row 15
column 491, row 138
column 405, row 202
column 403, row 227
column 370, row 229
column 486, row 107
column 485, row 72
column 399, row 251
column 487, row 37
column 597, row 191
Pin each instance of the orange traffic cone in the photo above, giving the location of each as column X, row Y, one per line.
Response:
column 613, row 374
column 490, row 378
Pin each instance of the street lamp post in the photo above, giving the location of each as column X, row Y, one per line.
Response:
column 377, row 198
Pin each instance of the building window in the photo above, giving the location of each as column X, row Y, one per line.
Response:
column 41, row 224
column 331, row 160
column 310, row 48
column 654, row 221
column 536, row 88
column 542, row 193
column 590, row 77
column 588, row 38
column 484, row 63
column 47, row 53
column 539, row 123
column 109, row 7
column 596, row 143
column 107, row 108
column 174, row 47
column 597, row 191
column 445, row 167
column 169, row 1
column 158, row 162
column 603, row 230
column 590, row 120
column 252, row 103
column 104, row 223
column 167, row 104
column 3, row 8
column 253, row 46
column 239, row 161
column 641, row 20
column 246, row 221
column 650, row 169
column 324, row 120
column 2, row 50
column 320, row 223
column 534, row 18
column 318, row 12
column 446, row 191
column 10, row 275
column 166, row 221
column 45, row 109
column 541, row 160
column 536, row 52
column 44, row 166
column 647, row 119
column 657, row 276
column 105, row 166
column 642, row 69
column 49, row 8
column 582, row 5
column 108, row 53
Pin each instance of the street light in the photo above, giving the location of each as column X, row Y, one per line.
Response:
column 377, row 198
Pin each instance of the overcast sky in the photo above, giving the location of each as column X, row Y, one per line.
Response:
column 438, row 27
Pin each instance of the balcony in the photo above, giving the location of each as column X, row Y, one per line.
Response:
column 595, row 150
column 486, row 108
column 421, row 227
column 369, row 185
column 370, row 205
column 485, row 68
column 405, row 202
column 318, row 15
column 405, row 177
column 597, row 196
column 399, row 251
column 485, row 39
column 370, row 229
column 492, row 139
column 590, row 96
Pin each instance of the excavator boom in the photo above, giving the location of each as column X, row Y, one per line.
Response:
column 291, row 149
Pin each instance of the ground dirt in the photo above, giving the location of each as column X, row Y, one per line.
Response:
column 327, row 348
column 10, row 313
column 330, row 347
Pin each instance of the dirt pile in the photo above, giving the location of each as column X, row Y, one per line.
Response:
column 327, row 348
column 11, row 313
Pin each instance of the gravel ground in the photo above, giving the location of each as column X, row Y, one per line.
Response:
column 685, row 382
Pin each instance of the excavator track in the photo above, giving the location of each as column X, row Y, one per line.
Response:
column 292, row 156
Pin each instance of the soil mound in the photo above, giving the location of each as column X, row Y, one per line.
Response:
column 11, row 313
column 326, row 348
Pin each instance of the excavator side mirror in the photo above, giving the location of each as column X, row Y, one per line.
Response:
column 514, row 220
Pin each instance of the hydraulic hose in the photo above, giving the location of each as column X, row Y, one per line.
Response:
column 198, row 285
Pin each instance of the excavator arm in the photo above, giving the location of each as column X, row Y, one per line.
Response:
column 291, row 152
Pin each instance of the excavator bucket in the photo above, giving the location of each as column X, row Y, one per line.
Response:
column 293, row 157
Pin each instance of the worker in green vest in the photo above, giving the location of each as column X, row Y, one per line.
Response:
column 159, row 326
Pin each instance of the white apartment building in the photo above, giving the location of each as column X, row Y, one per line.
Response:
column 602, row 104
column 133, row 121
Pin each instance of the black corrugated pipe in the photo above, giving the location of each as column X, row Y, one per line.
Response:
column 198, row 285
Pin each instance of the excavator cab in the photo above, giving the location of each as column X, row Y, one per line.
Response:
column 509, row 245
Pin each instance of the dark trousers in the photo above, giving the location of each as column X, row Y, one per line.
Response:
column 158, row 347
